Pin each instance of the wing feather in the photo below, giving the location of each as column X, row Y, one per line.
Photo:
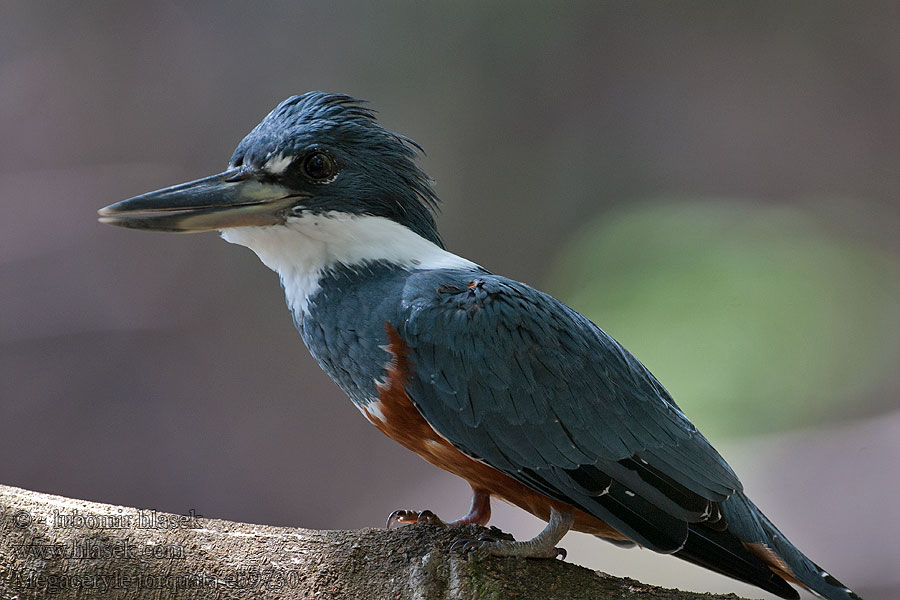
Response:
column 515, row 378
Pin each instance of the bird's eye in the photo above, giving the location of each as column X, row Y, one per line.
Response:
column 318, row 166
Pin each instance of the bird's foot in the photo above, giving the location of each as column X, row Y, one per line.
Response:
column 425, row 517
column 543, row 545
column 495, row 547
column 479, row 513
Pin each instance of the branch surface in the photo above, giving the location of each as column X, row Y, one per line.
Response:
column 61, row 548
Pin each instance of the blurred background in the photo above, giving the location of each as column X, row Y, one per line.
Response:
column 714, row 183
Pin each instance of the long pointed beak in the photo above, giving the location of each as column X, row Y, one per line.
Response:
column 235, row 198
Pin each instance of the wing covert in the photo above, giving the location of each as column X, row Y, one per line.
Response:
column 515, row 378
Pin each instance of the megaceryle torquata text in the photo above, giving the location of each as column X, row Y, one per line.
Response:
column 481, row 375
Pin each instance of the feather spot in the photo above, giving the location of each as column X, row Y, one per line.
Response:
column 374, row 412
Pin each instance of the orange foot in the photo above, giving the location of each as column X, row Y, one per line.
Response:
column 479, row 513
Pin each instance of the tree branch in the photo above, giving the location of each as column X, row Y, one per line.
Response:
column 66, row 549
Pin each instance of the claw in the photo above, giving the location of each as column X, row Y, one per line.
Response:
column 425, row 517
column 429, row 518
column 463, row 545
column 561, row 553
column 472, row 546
column 467, row 546
column 401, row 516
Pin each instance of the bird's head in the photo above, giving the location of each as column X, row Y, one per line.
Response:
column 315, row 155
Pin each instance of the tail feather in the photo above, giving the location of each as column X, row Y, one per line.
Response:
column 760, row 536
column 722, row 552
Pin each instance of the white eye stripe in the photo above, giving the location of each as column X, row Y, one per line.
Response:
column 277, row 164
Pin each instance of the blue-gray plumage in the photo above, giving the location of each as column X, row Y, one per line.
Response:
column 481, row 375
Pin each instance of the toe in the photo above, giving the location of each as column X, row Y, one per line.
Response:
column 427, row 517
column 401, row 516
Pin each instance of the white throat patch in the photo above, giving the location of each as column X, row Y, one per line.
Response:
column 306, row 246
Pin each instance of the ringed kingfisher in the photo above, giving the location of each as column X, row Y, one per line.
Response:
column 483, row 376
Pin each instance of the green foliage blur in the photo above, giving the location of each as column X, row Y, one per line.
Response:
column 755, row 318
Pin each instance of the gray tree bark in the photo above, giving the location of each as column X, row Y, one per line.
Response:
column 61, row 548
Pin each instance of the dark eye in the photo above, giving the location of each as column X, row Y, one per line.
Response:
column 318, row 166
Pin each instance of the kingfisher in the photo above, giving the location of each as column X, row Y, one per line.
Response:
column 480, row 375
